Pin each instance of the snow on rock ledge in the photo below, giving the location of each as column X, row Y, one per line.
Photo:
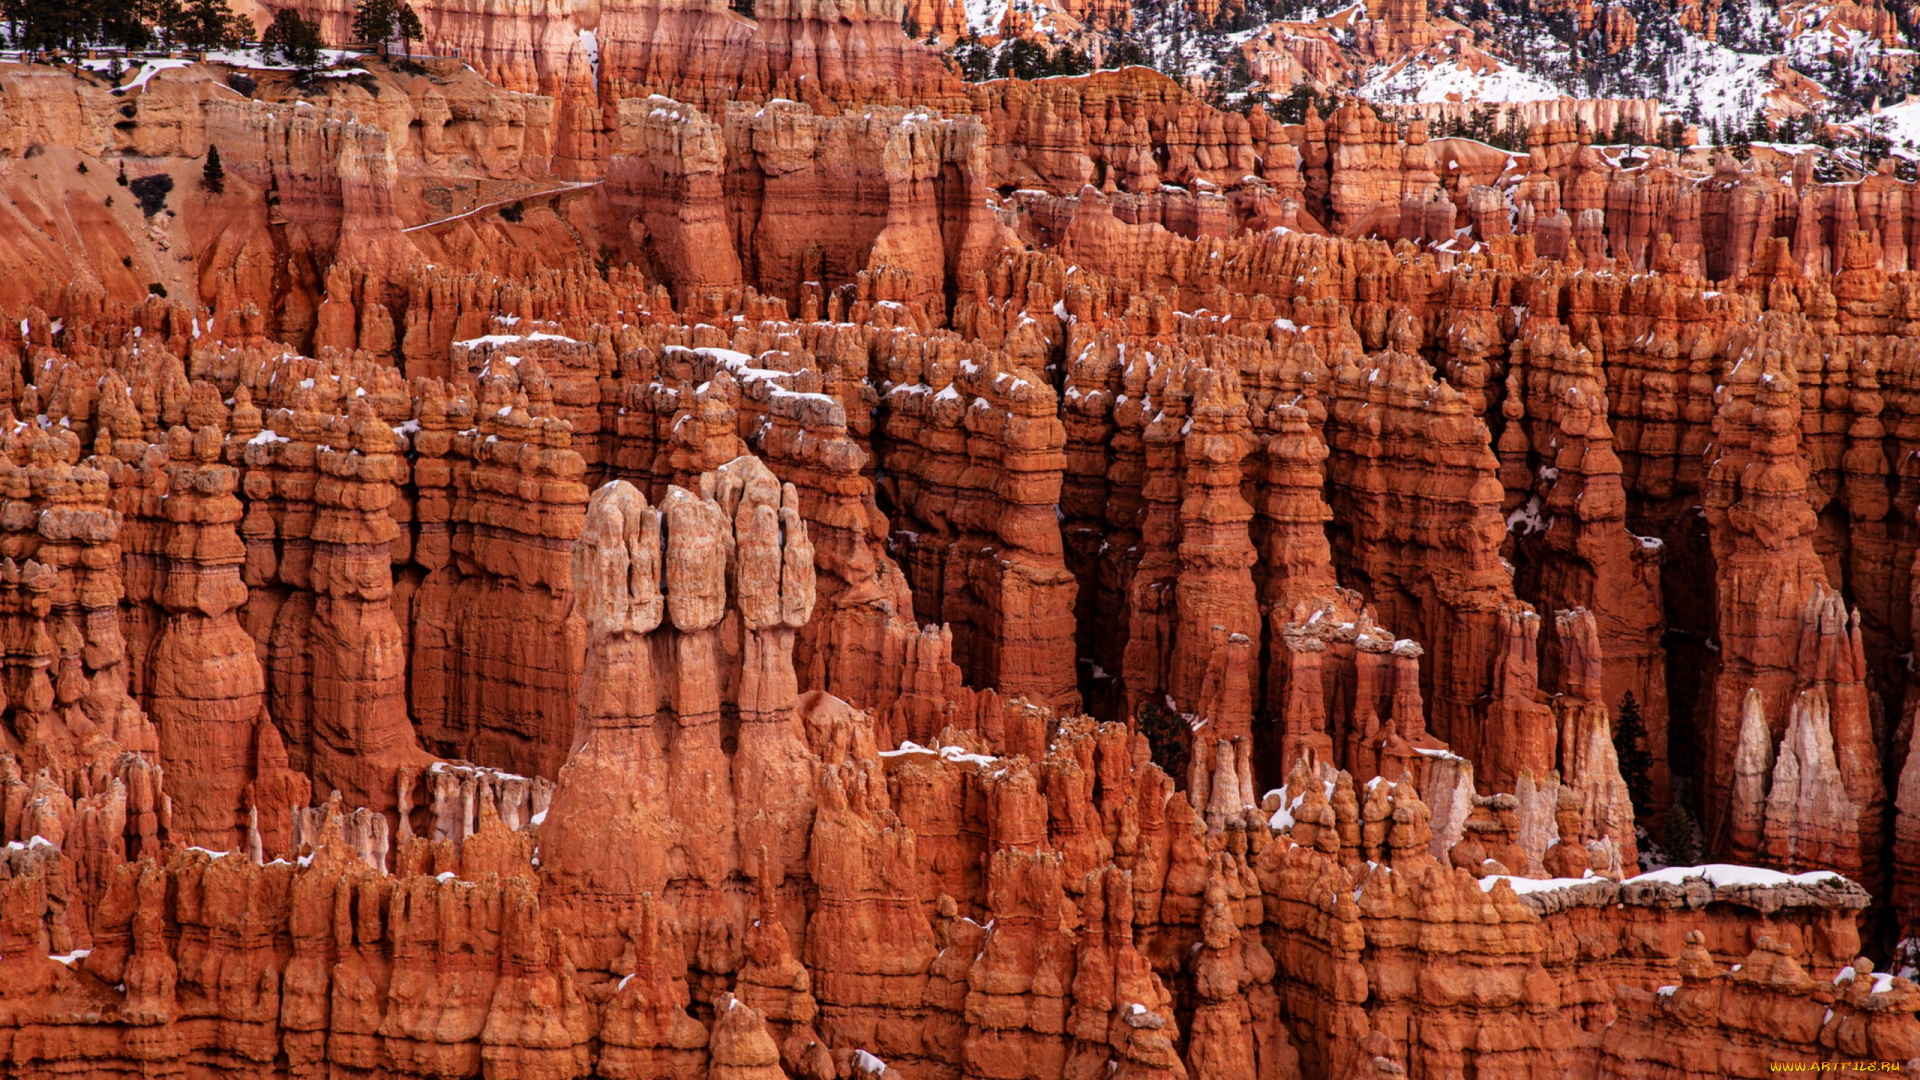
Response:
column 1753, row 887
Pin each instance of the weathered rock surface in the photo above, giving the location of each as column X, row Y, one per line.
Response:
column 648, row 636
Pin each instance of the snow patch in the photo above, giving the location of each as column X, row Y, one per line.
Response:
column 1457, row 82
column 148, row 69
column 1723, row 874
column 950, row 753
column 1523, row 885
column 1901, row 124
column 590, row 45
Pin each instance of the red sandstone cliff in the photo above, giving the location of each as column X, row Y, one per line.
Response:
column 1389, row 527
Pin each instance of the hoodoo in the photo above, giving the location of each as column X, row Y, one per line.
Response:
column 936, row 541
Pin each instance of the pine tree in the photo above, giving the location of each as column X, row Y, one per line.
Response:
column 116, row 22
column 1676, row 836
column 373, row 22
column 1513, row 130
column 1629, row 733
column 42, row 25
column 213, row 177
column 406, row 25
column 1480, row 124
column 1292, row 109
column 1166, row 739
column 163, row 16
column 294, row 39
column 209, row 24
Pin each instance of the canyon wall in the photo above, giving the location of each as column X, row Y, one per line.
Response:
column 731, row 876
column 1193, row 566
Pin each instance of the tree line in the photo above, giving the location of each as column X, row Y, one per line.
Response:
column 68, row 26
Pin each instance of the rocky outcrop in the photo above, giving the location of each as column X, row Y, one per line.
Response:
column 1767, row 1008
column 736, row 551
column 206, row 683
column 584, row 63
column 1572, row 542
column 1386, row 414
column 977, row 536
column 1774, row 597
column 906, row 186
column 747, row 532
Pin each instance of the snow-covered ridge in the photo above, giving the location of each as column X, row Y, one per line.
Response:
column 1798, row 62
column 1691, row 887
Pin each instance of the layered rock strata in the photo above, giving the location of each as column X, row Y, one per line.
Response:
column 1390, row 528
